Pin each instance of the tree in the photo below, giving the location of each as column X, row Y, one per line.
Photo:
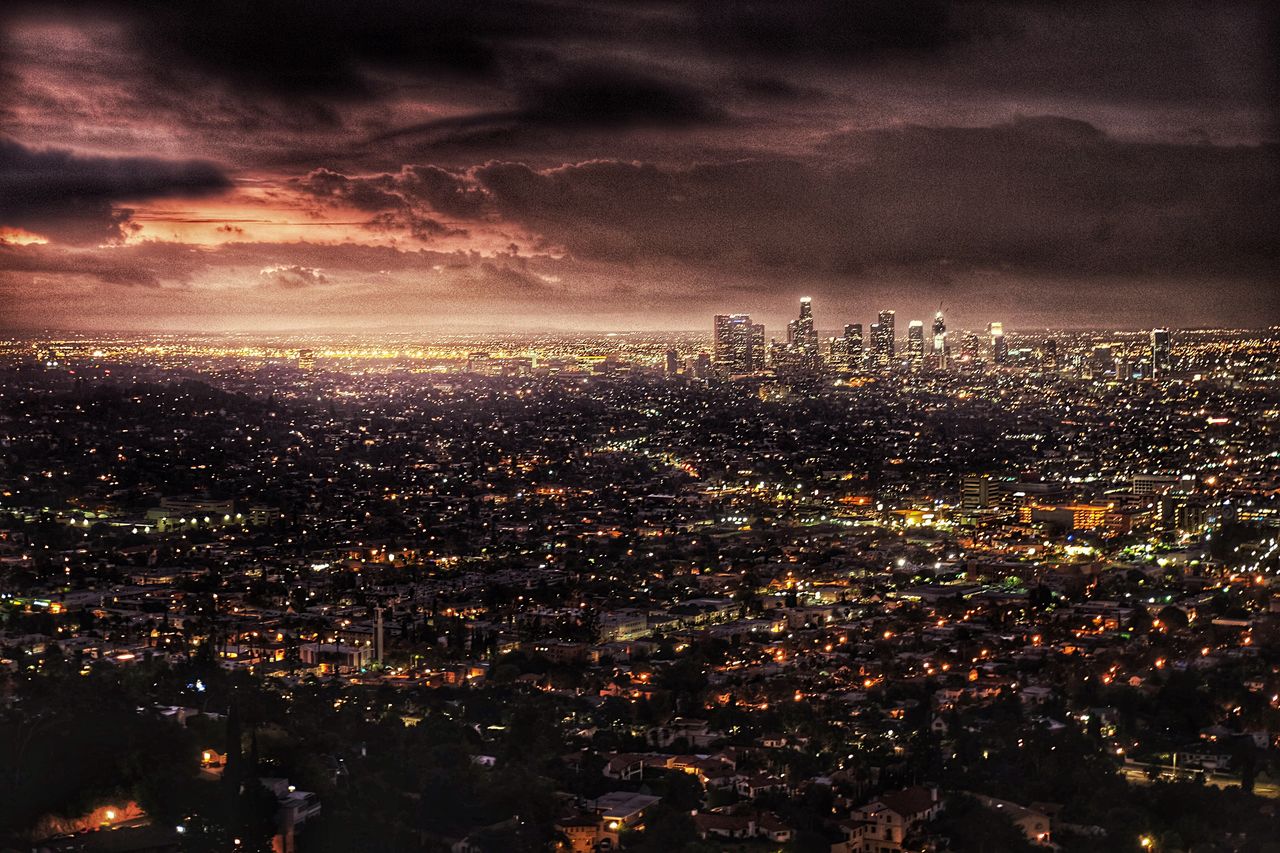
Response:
column 972, row 826
column 684, row 791
column 1174, row 617
column 667, row 830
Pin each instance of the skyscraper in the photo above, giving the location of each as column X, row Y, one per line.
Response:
column 738, row 345
column 999, row 346
column 1161, row 354
column 975, row 491
column 800, row 332
column 846, row 350
column 758, row 351
column 939, row 341
column 970, row 348
column 702, row 366
column 915, row 342
column 1049, row 355
column 883, row 339
column 673, row 362
column 853, row 344
column 1101, row 361
column 800, row 358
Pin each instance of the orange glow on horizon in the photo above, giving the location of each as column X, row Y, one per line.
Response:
column 19, row 237
column 267, row 212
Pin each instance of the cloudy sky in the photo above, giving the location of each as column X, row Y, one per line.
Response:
column 584, row 164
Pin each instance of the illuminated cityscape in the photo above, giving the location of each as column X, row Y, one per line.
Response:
column 662, row 576
column 584, row 426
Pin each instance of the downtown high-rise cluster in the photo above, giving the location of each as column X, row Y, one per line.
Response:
column 740, row 349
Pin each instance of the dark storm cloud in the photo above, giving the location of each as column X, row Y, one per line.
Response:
column 285, row 81
column 309, row 47
column 612, row 97
column 407, row 201
column 287, row 266
column 597, row 97
column 1047, row 195
column 369, row 194
column 769, row 88
column 332, row 48
column 826, row 31
column 734, row 143
column 126, row 267
column 72, row 197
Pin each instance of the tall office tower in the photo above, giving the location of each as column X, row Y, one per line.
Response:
column 673, row 362
column 1049, row 355
column 838, row 349
column 970, row 347
column 1161, row 354
column 999, row 346
column 702, row 366
column 915, row 342
column 853, row 344
column 1101, row 361
column 800, row 332
column 755, row 339
column 975, row 491
column 939, row 341
column 800, row 358
column 738, row 345
column 884, row 339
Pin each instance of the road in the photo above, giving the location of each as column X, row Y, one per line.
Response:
column 1137, row 774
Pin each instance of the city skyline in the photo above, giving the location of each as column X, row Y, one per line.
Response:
column 583, row 593
column 659, row 426
column 598, row 166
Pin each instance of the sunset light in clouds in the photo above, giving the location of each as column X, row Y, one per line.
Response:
column 592, row 165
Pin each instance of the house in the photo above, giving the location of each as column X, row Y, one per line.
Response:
column 692, row 731
column 724, row 826
column 295, row 808
column 770, row 827
column 1204, row 758
column 630, row 765
column 742, row 826
column 713, row 771
column 1035, row 694
column 852, row 833
column 212, row 763
column 1035, row 825
column 139, row 839
column 587, row 833
column 760, row 783
column 623, row 809
column 890, row 818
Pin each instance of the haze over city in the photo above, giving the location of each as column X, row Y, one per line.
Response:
column 595, row 165
column 639, row 426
